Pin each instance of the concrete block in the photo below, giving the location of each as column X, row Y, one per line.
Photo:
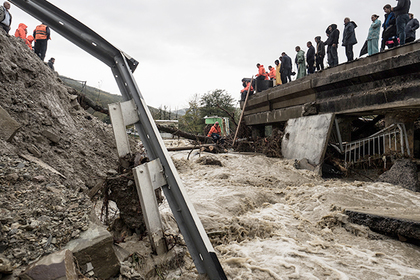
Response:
column 402, row 226
column 94, row 252
column 57, row 266
column 307, row 137
column 8, row 125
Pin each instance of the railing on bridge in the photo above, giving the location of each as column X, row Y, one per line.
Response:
column 391, row 138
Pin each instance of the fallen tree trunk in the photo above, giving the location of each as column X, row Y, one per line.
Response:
column 173, row 149
column 86, row 103
column 180, row 133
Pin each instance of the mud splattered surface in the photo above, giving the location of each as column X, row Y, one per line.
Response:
column 268, row 220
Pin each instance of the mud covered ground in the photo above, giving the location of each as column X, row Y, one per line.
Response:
column 268, row 220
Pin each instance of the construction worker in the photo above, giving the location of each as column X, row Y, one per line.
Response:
column 29, row 41
column 21, row 33
column 244, row 91
column 262, row 75
column 6, row 17
column 272, row 72
column 41, row 35
column 215, row 132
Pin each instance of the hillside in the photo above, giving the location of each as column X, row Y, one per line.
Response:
column 39, row 207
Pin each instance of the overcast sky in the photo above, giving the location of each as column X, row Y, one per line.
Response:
column 195, row 46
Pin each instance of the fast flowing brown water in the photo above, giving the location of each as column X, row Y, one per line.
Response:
column 268, row 220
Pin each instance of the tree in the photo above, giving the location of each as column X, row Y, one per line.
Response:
column 192, row 121
column 211, row 101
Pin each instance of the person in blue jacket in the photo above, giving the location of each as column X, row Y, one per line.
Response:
column 373, row 35
column 390, row 28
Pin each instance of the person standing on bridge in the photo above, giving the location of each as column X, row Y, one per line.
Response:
column 349, row 37
column 5, row 17
column 272, row 73
column 262, row 74
column 310, row 58
column 300, row 62
column 247, row 86
column 410, row 29
column 333, row 35
column 390, row 29
column 320, row 53
column 373, row 35
column 285, row 68
column 278, row 75
column 41, row 35
column 401, row 13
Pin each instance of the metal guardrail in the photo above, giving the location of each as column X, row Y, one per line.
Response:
column 392, row 138
column 198, row 243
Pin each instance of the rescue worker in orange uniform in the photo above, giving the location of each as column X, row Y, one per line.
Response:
column 215, row 132
column 21, row 33
column 29, row 41
column 41, row 35
column 262, row 75
column 272, row 73
column 244, row 91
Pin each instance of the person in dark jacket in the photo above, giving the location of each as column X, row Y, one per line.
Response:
column 41, row 35
column 310, row 58
column 402, row 18
column 51, row 63
column 410, row 29
column 349, row 37
column 7, row 20
column 285, row 68
column 333, row 35
column 390, row 28
column 320, row 53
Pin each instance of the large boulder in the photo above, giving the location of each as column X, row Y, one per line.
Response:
column 94, row 253
column 8, row 125
column 57, row 266
column 402, row 173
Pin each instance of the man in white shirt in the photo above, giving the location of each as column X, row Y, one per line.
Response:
column 7, row 20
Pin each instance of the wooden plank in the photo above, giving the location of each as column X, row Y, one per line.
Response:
column 42, row 164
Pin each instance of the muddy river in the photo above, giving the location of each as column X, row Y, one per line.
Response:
column 268, row 220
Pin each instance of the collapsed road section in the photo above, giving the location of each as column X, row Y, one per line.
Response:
column 199, row 245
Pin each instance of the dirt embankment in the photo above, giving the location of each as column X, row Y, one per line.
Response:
column 41, row 211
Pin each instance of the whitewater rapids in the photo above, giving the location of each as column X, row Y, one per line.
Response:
column 267, row 220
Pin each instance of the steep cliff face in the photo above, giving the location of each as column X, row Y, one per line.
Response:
column 40, row 210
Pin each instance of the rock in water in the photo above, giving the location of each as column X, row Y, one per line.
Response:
column 403, row 173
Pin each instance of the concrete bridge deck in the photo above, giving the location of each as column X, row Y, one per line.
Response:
column 384, row 82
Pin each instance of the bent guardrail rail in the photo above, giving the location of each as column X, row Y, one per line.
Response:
column 198, row 243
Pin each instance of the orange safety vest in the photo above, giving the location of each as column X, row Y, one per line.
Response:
column 214, row 129
column 247, row 87
column 272, row 73
column 41, row 32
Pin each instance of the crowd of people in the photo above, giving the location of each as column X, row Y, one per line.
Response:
column 40, row 36
column 399, row 28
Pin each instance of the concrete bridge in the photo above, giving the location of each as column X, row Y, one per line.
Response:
column 387, row 83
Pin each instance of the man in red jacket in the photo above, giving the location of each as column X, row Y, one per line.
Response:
column 215, row 132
